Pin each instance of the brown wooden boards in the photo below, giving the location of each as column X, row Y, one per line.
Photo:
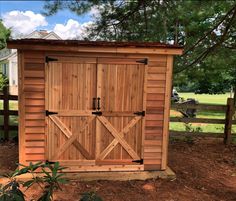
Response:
column 92, row 111
column 95, row 102
column 32, row 106
column 71, row 89
column 121, row 93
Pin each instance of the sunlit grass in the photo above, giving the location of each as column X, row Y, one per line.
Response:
column 208, row 99
column 220, row 99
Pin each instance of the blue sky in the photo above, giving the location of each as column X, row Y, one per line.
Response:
column 62, row 17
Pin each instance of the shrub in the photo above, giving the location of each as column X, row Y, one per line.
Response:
column 49, row 182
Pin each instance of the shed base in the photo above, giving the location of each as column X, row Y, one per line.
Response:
column 115, row 176
column 123, row 176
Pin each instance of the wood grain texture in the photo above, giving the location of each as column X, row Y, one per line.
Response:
column 156, row 89
column 110, row 142
column 165, row 139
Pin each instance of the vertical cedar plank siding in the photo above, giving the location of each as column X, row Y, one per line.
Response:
column 32, row 109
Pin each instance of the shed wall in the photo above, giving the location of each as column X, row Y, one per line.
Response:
column 32, row 105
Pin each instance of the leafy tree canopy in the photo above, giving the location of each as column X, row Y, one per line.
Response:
column 4, row 35
column 206, row 29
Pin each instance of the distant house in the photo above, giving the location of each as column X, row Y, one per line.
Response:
column 8, row 59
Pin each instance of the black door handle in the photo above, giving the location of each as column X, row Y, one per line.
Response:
column 94, row 103
column 98, row 106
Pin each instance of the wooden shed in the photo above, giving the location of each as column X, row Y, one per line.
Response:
column 94, row 106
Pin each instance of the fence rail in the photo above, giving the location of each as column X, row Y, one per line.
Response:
column 6, row 112
column 228, row 109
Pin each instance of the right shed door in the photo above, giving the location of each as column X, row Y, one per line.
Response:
column 122, row 101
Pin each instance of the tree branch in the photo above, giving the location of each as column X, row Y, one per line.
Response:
column 213, row 47
column 209, row 32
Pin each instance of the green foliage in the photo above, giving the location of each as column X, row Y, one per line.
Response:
column 11, row 191
column 90, row 196
column 50, row 182
column 3, row 81
column 4, row 35
column 190, row 128
column 206, row 29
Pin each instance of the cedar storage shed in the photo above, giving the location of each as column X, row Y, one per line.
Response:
column 94, row 106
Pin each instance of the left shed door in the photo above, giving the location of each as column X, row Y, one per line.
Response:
column 71, row 87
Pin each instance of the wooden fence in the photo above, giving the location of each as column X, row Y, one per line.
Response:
column 228, row 109
column 6, row 112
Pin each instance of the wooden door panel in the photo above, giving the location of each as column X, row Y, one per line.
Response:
column 72, row 86
column 122, row 87
column 121, row 92
column 71, row 89
column 82, row 148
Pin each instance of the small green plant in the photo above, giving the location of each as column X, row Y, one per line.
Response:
column 90, row 196
column 50, row 181
column 189, row 128
column 3, row 81
column 11, row 191
column 189, row 139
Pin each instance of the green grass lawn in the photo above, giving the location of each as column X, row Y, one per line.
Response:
column 208, row 99
column 220, row 99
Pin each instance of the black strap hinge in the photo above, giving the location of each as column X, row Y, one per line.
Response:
column 48, row 59
column 99, row 113
column 141, row 113
column 50, row 113
column 138, row 161
column 143, row 61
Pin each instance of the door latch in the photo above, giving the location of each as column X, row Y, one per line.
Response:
column 99, row 113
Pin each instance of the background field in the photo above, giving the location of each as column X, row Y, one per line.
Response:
column 220, row 99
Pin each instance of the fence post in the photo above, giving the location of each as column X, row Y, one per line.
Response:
column 6, row 112
column 228, row 120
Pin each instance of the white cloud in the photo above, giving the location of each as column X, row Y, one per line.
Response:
column 23, row 23
column 72, row 29
column 95, row 12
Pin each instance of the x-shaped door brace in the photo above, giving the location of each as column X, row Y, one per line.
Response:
column 71, row 138
column 119, row 138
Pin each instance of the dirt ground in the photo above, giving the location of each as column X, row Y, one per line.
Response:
column 206, row 171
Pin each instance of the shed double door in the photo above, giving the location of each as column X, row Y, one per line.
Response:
column 95, row 111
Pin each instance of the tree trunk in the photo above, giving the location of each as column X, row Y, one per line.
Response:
column 234, row 117
column 235, row 96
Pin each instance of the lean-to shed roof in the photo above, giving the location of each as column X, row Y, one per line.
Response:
column 103, row 46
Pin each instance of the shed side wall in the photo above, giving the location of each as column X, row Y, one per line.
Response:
column 156, row 81
column 32, row 109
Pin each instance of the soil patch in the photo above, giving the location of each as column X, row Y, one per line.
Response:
column 206, row 171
